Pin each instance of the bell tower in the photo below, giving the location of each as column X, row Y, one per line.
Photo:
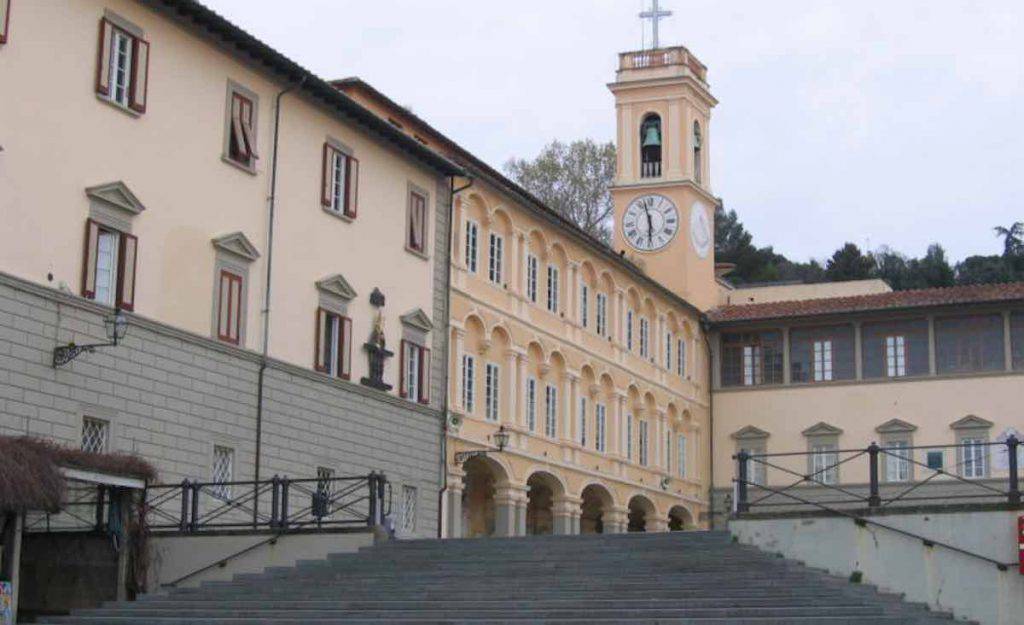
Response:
column 664, row 207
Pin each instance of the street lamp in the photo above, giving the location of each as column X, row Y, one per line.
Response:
column 500, row 439
column 115, row 326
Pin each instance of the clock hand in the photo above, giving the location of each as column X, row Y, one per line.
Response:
column 650, row 229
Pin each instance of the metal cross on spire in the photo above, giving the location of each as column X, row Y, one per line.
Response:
column 655, row 15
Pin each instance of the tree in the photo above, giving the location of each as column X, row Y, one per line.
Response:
column 849, row 263
column 893, row 267
column 932, row 270
column 983, row 270
column 574, row 180
column 1013, row 239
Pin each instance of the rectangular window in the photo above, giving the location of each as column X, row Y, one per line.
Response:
column 109, row 266
column 896, row 356
column 472, row 243
column 415, row 380
column 1017, row 339
column 600, row 417
column 645, row 338
column 583, row 421
column 897, row 461
column 122, row 67
column 495, row 258
column 823, row 463
column 95, row 435
column 222, row 472
column 681, row 358
column 642, row 442
column 333, row 344
column 973, row 455
column 5, row 19
column 340, row 181
column 416, row 229
column 681, row 456
column 531, row 404
column 894, row 349
column 468, row 391
column 823, row 361
column 602, row 314
column 969, row 344
column 491, row 391
column 229, row 307
column 550, row 411
column 756, row 468
column 668, row 351
column 629, row 330
column 552, row 289
column 242, row 131
column 584, row 305
column 408, row 511
column 531, row 278
column 668, row 452
column 748, row 358
column 629, row 437
column 822, row 354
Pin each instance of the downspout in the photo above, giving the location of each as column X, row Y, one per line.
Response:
column 271, row 201
column 447, row 354
column 706, row 327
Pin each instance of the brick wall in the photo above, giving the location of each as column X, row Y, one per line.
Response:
column 170, row 396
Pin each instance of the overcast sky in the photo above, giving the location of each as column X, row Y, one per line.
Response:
column 892, row 122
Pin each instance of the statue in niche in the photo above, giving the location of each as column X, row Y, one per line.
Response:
column 376, row 348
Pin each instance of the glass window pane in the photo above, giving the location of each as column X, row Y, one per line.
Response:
column 968, row 344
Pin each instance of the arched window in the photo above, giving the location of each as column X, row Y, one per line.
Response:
column 650, row 146
column 697, row 140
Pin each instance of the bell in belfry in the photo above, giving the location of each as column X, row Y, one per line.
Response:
column 652, row 135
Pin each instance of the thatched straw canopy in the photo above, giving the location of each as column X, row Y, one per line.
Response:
column 30, row 471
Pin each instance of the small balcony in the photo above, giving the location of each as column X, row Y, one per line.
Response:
column 672, row 61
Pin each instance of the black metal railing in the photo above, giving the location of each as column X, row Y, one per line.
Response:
column 968, row 480
column 280, row 504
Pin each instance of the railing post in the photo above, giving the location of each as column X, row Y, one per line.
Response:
column 874, row 499
column 275, row 500
column 193, row 524
column 282, row 518
column 371, row 481
column 741, row 485
column 183, row 521
column 1013, row 495
column 382, row 482
column 101, row 492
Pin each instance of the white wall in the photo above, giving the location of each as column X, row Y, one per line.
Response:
column 945, row 580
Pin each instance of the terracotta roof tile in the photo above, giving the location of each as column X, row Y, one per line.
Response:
column 972, row 294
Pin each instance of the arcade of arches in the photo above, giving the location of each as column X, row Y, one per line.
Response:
column 484, row 500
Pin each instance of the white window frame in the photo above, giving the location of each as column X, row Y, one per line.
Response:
column 550, row 411
column 896, row 356
column 222, row 471
column 600, row 423
column 95, row 435
column 824, row 463
column 107, row 294
column 495, row 258
column 472, row 245
column 645, row 337
column 823, row 360
column 553, row 281
column 339, row 165
column 601, row 314
column 121, row 66
column 897, row 460
column 681, row 455
column 629, row 330
column 407, row 522
column 681, row 357
column 468, row 378
column 492, row 391
column 531, row 277
column 584, row 304
column 973, row 457
column 751, row 365
column 412, row 371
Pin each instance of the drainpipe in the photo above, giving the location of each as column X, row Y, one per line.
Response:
column 447, row 354
column 706, row 327
column 266, row 296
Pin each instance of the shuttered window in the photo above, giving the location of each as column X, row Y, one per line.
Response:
column 229, row 307
column 242, row 131
column 333, row 344
column 108, row 266
column 122, row 66
column 416, row 229
column 414, row 383
column 339, row 181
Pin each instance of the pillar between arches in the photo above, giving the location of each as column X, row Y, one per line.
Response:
column 617, row 520
column 507, row 502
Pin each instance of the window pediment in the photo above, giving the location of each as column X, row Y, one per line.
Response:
column 822, row 429
column 750, row 433
column 895, row 426
column 238, row 244
column 417, row 319
column 116, row 195
column 337, row 285
column 971, row 422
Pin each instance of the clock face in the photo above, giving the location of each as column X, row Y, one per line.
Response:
column 650, row 222
column 700, row 230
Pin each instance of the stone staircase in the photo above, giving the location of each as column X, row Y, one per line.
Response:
column 699, row 578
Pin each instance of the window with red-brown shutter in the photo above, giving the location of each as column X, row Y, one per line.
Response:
column 339, row 181
column 414, row 376
column 122, row 66
column 416, row 226
column 229, row 307
column 109, row 266
column 242, row 137
column 333, row 344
